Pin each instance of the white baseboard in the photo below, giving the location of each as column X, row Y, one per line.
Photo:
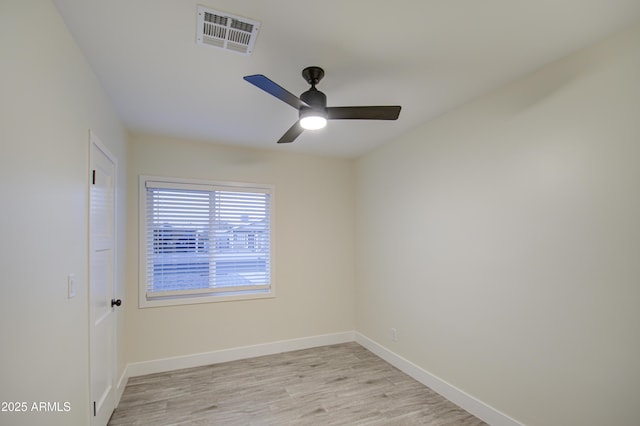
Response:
column 243, row 352
column 453, row 394
column 122, row 383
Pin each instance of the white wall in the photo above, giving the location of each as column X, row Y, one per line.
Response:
column 314, row 251
column 502, row 240
column 50, row 100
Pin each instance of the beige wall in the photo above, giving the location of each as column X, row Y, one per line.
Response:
column 502, row 240
column 50, row 100
column 314, row 251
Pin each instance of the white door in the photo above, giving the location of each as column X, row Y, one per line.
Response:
column 101, row 282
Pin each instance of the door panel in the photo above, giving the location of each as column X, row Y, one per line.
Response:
column 101, row 283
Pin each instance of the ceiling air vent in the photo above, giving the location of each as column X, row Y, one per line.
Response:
column 225, row 31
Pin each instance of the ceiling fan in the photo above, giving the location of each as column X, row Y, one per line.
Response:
column 312, row 105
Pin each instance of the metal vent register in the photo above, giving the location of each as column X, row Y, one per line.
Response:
column 225, row 31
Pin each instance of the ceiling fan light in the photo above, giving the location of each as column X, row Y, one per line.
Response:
column 313, row 122
column 313, row 118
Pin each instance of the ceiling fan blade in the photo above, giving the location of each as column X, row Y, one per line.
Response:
column 291, row 134
column 364, row 113
column 262, row 82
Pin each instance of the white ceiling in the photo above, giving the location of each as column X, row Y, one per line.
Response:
column 427, row 55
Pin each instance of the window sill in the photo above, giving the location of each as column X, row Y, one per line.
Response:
column 146, row 302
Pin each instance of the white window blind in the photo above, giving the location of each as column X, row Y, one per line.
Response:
column 206, row 239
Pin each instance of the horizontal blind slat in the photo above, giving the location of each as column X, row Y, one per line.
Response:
column 203, row 239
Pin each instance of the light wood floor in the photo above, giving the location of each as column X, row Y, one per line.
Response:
column 331, row 385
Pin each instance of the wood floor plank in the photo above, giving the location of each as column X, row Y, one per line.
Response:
column 331, row 385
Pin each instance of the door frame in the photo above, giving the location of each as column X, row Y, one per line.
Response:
column 95, row 143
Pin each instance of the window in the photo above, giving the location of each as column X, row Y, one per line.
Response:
column 204, row 241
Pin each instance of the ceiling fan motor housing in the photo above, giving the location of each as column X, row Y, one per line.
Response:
column 313, row 116
column 314, row 98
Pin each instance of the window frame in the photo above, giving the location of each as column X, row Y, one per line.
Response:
column 185, row 299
